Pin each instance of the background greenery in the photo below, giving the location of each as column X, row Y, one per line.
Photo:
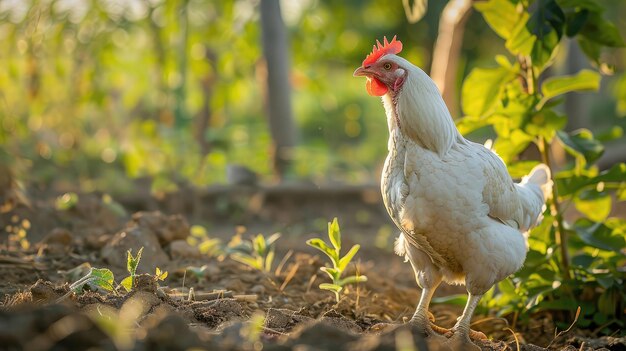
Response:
column 94, row 91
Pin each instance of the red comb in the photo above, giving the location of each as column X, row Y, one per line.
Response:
column 393, row 47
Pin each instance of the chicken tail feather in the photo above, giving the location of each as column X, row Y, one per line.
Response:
column 533, row 191
column 540, row 175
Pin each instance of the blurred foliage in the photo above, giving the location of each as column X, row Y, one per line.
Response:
column 571, row 262
column 258, row 253
column 94, row 91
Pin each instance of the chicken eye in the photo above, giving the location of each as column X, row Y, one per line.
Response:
column 387, row 66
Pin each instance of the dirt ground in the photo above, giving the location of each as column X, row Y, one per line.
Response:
column 212, row 302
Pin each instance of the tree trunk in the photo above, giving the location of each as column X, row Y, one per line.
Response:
column 576, row 104
column 447, row 49
column 203, row 119
column 282, row 128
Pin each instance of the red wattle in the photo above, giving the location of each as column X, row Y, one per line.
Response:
column 375, row 87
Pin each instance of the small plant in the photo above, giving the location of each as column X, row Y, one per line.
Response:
column 103, row 278
column 131, row 266
column 96, row 279
column 260, row 253
column 339, row 263
column 199, row 237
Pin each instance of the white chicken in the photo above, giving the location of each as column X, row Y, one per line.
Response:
column 461, row 217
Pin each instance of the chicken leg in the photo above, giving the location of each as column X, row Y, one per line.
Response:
column 427, row 279
column 460, row 338
column 420, row 317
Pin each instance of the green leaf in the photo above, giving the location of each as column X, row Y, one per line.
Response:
column 591, row 49
column 546, row 25
column 272, row 239
column 583, row 260
column 581, row 142
column 615, row 174
column 521, row 41
column 619, row 91
column 598, row 235
column 322, row 246
column 127, row 283
column 332, row 287
column 593, row 204
column 590, row 5
column 345, row 260
column 575, row 22
column 268, row 260
column 608, row 301
column 507, row 287
column 133, row 262
column 569, row 183
column 352, row 279
column 334, row 234
column 249, row 261
column 259, row 246
column 585, row 80
column 457, row 300
column 518, row 169
column 98, row 278
column 601, row 31
column 159, row 274
column 499, row 15
column 545, row 123
column 103, row 274
column 482, row 89
column 333, row 273
column 509, row 147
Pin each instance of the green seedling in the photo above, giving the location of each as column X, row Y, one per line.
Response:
column 131, row 266
column 103, row 279
column 199, row 237
column 261, row 254
column 159, row 274
column 96, row 279
column 339, row 263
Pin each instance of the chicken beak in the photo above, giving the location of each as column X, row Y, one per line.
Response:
column 360, row 72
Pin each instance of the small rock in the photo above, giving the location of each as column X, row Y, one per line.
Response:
column 180, row 249
column 283, row 320
column 166, row 228
column 95, row 238
column 145, row 282
column 258, row 289
column 167, row 330
column 333, row 318
column 58, row 241
column 45, row 292
column 213, row 313
column 134, row 238
column 322, row 335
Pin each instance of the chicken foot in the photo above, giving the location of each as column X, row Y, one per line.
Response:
column 447, row 332
column 460, row 338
